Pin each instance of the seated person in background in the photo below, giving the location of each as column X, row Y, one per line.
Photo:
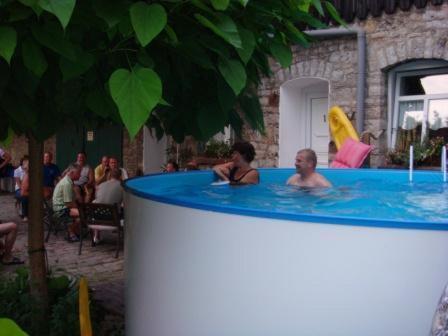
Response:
column 84, row 186
column 52, row 174
column 6, row 169
column 101, row 170
column 171, row 167
column 306, row 175
column 64, row 201
column 239, row 171
column 9, row 231
column 109, row 192
column 113, row 164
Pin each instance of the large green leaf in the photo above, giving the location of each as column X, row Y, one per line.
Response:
column 223, row 26
column 9, row 327
column 211, row 120
column 253, row 112
column 20, row 110
column 195, row 53
column 72, row 69
column 234, row 74
column 220, row 4
column 304, row 5
column 147, row 20
column 226, row 96
column 100, row 103
column 33, row 4
column 33, row 57
column 318, row 5
column 302, row 16
column 136, row 93
column 8, row 41
column 17, row 12
column 282, row 53
column 244, row 2
column 334, row 13
column 248, row 43
column 297, row 36
column 54, row 39
column 62, row 9
column 110, row 11
column 9, row 136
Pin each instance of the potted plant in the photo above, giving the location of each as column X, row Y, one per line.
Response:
column 426, row 155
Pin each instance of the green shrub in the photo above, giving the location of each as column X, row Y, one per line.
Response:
column 218, row 149
column 63, row 320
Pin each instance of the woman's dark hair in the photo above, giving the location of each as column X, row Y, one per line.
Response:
column 246, row 149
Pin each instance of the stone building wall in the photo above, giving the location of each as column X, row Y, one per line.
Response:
column 391, row 40
column 19, row 147
column 133, row 153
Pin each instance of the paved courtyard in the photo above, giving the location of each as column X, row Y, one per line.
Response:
column 98, row 264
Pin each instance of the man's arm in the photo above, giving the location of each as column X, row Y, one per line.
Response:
column 101, row 178
column 6, row 159
column 91, row 181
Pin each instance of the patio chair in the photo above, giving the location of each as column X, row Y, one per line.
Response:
column 102, row 217
column 351, row 155
column 54, row 221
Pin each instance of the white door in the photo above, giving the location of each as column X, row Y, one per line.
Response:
column 319, row 129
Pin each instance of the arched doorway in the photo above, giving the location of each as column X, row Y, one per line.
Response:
column 303, row 119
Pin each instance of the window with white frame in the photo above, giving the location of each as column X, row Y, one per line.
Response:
column 418, row 102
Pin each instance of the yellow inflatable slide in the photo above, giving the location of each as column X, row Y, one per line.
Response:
column 340, row 127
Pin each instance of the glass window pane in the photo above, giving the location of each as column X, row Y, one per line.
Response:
column 411, row 86
column 424, row 84
column 438, row 114
column 410, row 114
column 410, row 121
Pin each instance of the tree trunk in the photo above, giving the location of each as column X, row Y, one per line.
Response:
column 36, row 248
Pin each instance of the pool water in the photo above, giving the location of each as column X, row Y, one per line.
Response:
column 374, row 197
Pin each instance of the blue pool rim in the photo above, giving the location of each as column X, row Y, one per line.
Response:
column 301, row 217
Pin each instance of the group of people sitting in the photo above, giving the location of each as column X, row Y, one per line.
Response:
column 239, row 170
column 82, row 184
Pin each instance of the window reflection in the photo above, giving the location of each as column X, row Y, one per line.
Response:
column 424, row 84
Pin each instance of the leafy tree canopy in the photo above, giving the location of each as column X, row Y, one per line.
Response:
column 183, row 67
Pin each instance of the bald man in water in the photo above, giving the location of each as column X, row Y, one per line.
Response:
column 306, row 175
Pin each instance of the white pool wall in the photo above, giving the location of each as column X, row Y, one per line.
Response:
column 193, row 272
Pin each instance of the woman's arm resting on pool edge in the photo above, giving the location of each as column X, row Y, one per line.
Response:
column 223, row 170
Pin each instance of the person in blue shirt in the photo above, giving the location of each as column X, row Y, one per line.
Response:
column 52, row 174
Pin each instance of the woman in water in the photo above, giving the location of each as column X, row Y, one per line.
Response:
column 239, row 171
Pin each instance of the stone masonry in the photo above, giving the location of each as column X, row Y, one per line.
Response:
column 391, row 40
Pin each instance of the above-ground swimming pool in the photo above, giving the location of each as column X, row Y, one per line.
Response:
column 366, row 257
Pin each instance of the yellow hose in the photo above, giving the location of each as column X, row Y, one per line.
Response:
column 84, row 311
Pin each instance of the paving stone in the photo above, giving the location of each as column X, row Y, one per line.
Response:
column 103, row 272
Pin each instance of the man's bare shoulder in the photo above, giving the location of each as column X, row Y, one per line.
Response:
column 293, row 180
column 321, row 181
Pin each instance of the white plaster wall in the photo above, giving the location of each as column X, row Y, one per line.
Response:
column 294, row 123
column 154, row 152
